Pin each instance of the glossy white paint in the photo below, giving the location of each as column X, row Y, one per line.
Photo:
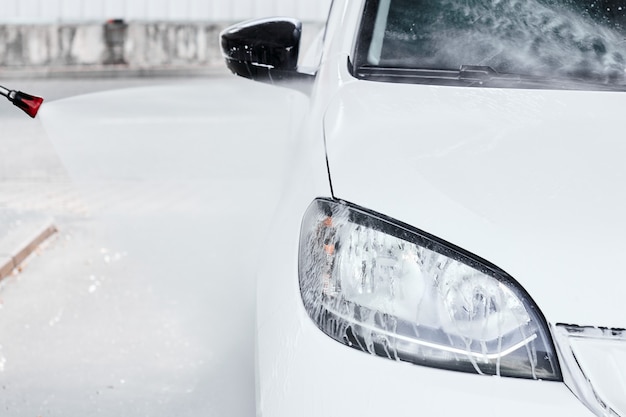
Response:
column 603, row 362
column 523, row 178
column 440, row 159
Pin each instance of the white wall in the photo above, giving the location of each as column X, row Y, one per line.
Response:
column 212, row 10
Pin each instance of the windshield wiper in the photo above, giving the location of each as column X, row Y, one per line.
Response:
column 483, row 73
column 478, row 76
column 466, row 73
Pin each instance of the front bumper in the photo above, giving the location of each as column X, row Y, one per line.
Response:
column 305, row 373
column 302, row 372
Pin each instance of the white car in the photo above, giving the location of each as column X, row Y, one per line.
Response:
column 455, row 203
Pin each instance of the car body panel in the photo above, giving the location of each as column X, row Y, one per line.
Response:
column 518, row 177
column 425, row 155
column 301, row 371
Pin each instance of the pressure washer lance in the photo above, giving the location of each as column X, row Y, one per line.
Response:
column 30, row 104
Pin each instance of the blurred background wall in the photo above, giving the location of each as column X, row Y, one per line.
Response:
column 31, row 11
column 61, row 37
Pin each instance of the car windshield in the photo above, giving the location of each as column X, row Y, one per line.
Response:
column 575, row 40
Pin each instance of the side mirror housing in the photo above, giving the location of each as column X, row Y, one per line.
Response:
column 264, row 50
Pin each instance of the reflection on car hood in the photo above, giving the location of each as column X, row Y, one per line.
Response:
column 531, row 180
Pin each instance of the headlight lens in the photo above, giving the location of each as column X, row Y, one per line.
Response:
column 387, row 289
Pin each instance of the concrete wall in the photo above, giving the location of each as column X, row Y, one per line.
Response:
column 48, row 36
column 48, row 49
column 168, row 10
column 85, row 44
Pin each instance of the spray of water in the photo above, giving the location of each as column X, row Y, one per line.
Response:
column 531, row 37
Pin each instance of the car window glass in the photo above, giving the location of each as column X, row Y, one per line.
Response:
column 570, row 38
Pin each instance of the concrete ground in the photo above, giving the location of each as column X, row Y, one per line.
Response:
column 142, row 304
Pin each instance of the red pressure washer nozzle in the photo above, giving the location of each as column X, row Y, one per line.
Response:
column 30, row 104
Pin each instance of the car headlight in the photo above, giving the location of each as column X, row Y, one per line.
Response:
column 385, row 288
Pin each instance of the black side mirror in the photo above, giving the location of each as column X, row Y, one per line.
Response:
column 264, row 50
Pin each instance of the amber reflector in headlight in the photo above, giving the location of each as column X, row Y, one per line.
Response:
column 388, row 289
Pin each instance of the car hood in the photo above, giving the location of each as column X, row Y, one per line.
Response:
column 531, row 180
